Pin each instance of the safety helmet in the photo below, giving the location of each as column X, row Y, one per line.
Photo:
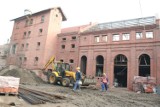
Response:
column 78, row 68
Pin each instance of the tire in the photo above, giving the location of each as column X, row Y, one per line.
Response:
column 52, row 79
column 65, row 82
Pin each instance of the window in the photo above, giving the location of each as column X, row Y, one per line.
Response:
column 71, row 61
column 25, row 60
column 42, row 19
column 104, row 38
column 96, row 38
column 22, row 46
column 61, row 60
column 24, row 35
column 26, row 24
column 73, row 45
column 36, row 60
column 31, row 22
column 27, row 45
column 29, row 33
column 125, row 36
column 116, row 37
column 20, row 60
column 40, row 31
column 149, row 34
column 64, row 39
column 63, row 46
column 139, row 35
column 73, row 37
column 14, row 48
column 38, row 45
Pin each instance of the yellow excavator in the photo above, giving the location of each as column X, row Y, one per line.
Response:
column 61, row 73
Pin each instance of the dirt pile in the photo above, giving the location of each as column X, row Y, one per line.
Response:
column 26, row 76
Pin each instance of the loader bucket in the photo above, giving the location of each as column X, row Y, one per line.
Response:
column 89, row 81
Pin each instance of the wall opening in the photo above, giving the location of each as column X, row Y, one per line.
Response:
column 99, row 65
column 120, row 71
column 144, row 65
column 83, row 64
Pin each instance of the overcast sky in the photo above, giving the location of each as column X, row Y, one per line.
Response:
column 78, row 12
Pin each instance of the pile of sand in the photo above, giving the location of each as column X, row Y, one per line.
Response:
column 26, row 76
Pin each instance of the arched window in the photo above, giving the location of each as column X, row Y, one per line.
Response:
column 144, row 65
column 83, row 64
column 99, row 65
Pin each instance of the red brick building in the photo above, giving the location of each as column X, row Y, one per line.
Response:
column 122, row 49
column 34, row 38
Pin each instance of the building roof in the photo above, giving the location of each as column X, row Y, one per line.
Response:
column 123, row 24
column 63, row 16
column 73, row 29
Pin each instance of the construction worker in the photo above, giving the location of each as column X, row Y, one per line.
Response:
column 78, row 79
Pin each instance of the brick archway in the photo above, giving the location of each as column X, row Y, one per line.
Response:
column 99, row 65
column 83, row 64
column 120, row 70
column 144, row 65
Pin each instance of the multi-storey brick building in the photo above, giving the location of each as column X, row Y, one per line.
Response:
column 68, row 44
column 122, row 49
column 33, row 39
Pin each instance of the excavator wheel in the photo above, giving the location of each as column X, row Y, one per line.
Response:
column 52, row 79
column 65, row 82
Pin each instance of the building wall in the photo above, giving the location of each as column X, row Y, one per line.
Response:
column 132, row 49
column 71, row 36
column 68, row 53
column 42, row 44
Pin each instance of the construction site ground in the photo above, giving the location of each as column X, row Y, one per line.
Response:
column 86, row 97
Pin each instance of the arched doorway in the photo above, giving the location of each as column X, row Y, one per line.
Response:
column 83, row 64
column 120, row 71
column 144, row 65
column 99, row 65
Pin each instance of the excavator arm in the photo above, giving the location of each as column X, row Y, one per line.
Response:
column 50, row 61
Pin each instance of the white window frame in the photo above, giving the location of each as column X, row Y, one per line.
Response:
column 97, row 39
column 116, row 37
column 139, row 35
column 125, row 36
column 104, row 38
column 149, row 34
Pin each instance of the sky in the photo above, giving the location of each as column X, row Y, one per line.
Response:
column 77, row 12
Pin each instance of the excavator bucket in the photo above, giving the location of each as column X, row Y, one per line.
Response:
column 88, row 81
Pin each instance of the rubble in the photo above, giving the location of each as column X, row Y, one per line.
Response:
column 26, row 76
column 144, row 84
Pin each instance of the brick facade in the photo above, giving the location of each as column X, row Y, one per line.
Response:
column 132, row 49
column 69, row 37
column 34, row 38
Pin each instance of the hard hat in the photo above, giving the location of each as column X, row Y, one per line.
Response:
column 78, row 68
